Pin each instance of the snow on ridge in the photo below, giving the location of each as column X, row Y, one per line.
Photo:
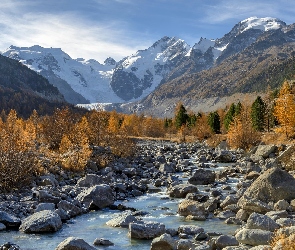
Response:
column 204, row 44
column 264, row 24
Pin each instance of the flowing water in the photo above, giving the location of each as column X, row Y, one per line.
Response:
column 93, row 225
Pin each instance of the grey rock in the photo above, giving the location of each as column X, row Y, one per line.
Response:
column 41, row 222
column 102, row 242
column 281, row 205
column 181, row 190
column 146, row 230
column 70, row 208
column 122, row 220
column 73, row 243
column 192, row 208
column 45, row 197
column 9, row 220
column 97, row 197
column 47, row 180
column 166, row 168
column 277, row 214
column 225, row 157
column 260, row 221
column 165, row 241
column 265, row 150
column 89, row 180
column 184, row 244
column 273, row 185
column 202, row 177
column 2, row 227
column 285, row 222
column 253, row 205
column 253, row 237
column 223, row 215
column 45, row 206
column 190, row 229
column 223, row 241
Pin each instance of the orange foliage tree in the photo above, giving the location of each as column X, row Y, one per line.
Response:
column 284, row 111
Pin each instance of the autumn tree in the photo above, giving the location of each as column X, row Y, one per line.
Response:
column 241, row 133
column 258, row 114
column 284, row 110
column 269, row 101
column 18, row 161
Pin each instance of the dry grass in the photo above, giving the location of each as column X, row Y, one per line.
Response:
column 282, row 241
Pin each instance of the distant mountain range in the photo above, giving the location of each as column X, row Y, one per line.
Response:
column 246, row 59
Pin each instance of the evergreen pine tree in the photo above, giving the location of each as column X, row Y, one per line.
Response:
column 229, row 117
column 258, row 114
column 214, row 122
column 181, row 116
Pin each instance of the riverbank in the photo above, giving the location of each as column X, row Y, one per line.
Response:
column 191, row 175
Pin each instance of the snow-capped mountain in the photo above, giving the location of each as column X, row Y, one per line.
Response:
column 138, row 75
column 82, row 81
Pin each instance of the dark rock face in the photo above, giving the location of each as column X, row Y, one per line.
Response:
column 128, row 86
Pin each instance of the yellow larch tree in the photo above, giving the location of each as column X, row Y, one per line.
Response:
column 284, row 111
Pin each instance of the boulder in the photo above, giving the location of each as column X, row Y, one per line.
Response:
column 47, row 180
column 167, row 168
column 181, row 190
column 277, row 214
column 281, row 205
column 184, row 244
column 265, row 150
column 165, row 241
column 41, row 222
column 89, row 180
column 102, row 242
column 223, row 241
column 190, row 229
column 2, row 227
column 229, row 200
column 70, row 208
column 45, row 197
column 225, row 156
column 9, row 220
column 202, row 177
column 97, row 197
column 45, row 206
column 146, row 229
column 253, row 205
column 260, row 221
column 253, row 237
column 273, row 185
column 193, row 208
column 122, row 220
column 73, row 243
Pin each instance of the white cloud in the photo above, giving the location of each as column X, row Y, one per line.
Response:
column 238, row 10
column 76, row 36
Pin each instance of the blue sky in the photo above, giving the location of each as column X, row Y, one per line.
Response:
column 101, row 28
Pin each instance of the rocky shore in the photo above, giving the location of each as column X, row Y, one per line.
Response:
column 262, row 202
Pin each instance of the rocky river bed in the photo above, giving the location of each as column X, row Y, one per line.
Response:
column 168, row 196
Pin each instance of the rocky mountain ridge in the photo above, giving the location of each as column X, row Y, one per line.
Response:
column 168, row 71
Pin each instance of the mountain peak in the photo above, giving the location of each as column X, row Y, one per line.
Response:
column 110, row 61
column 264, row 24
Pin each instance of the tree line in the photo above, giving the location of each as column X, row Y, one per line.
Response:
column 73, row 141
